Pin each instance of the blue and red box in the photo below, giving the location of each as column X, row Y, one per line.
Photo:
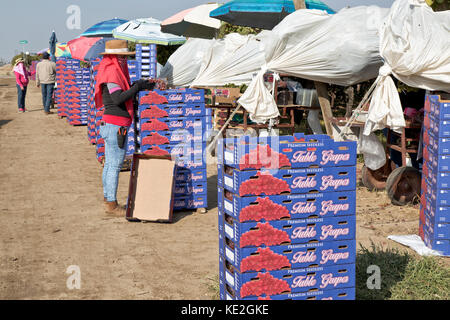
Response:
column 272, row 258
column 190, row 175
column 290, row 181
column 196, row 125
column 256, row 284
column 170, row 137
column 280, row 232
column 190, row 202
column 180, row 150
column 298, row 151
column 442, row 246
column 295, row 206
column 172, row 96
column 174, row 110
column 226, row 293
column 192, row 188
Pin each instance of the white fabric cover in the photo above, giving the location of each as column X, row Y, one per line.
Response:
column 415, row 45
column 342, row 49
column 184, row 64
column 233, row 59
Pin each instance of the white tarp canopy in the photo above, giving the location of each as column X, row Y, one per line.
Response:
column 233, row 59
column 184, row 64
column 342, row 49
column 415, row 46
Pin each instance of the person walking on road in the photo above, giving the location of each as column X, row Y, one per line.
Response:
column 46, row 78
column 21, row 72
column 114, row 92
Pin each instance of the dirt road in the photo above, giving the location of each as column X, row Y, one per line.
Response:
column 51, row 217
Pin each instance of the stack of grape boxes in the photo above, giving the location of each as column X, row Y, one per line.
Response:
column 65, row 78
column 70, row 89
column 92, row 113
column 145, row 66
column 78, row 96
column 287, row 218
column 434, row 225
column 60, row 75
column 176, row 123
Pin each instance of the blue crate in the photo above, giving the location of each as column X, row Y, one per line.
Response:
column 190, row 202
column 437, row 179
column 436, row 162
column 293, row 280
column 306, row 255
column 190, row 175
column 198, row 124
column 181, row 150
column 435, row 212
column 294, row 231
column 440, row 245
column 437, row 229
column 178, row 95
column 249, row 153
column 173, row 110
column 170, row 137
column 226, row 293
column 289, row 181
column 438, row 107
column 188, row 189
column 296, row 206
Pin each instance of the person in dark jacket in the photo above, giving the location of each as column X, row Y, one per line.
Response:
column 114, row 92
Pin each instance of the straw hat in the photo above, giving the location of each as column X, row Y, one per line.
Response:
column 117, row 47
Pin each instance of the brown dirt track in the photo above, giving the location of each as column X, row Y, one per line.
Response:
column 51, row 217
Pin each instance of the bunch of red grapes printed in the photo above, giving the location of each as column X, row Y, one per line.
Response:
column 155, row 138
column 266, row 284
column 265, row 183
column 154, row 112
column 153, row 98
column 266, row 210
column 264, row 259
column 265, row 234
column 263, row 157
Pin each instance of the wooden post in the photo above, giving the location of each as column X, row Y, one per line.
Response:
column 322, row 88
column 325, row 106
column 299, row 4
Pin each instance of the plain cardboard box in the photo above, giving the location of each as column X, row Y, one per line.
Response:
column 151, row 187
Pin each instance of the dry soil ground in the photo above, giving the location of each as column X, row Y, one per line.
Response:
column 51, row 217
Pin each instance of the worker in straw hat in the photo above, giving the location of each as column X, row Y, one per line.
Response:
column 22, row 79
column 114, row 92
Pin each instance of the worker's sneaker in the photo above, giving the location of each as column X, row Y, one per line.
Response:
column 48, row 112
column 113, row 208
column 21, row 110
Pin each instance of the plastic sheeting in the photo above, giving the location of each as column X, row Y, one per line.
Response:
column 342, row 49
column 415, row 45
column 234, row 59
column 184, row 64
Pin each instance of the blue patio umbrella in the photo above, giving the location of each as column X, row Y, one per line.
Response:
column 104, row 28
column 52, row 43
column 264, row 14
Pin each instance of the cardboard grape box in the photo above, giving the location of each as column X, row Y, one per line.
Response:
column 190, row 202
column 437, row 229
column 190, row 175
column 198, row 125
column 255, row 284
column 178, row 150
column 173, row 110
column 298, row 151
column 193, row 188
column 440, row 180
column 226, row 293
column 286, row 181
column 439, row 213
column 172, row 96
column 295, row 206
column 281, row 232
column 442, row 246
column 170, row 137
column 437, row 162
column 438, row 128
column 436, row 144
column 438, row 107
column 306, row 255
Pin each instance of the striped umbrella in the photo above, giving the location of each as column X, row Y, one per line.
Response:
column 146, row 30
column 104, row 28
column 87, row 48
column 264, row 14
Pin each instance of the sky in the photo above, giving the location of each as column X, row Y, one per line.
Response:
column 34, row 21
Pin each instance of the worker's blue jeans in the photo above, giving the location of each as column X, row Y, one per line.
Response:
column 114, row 157
column 47, row 95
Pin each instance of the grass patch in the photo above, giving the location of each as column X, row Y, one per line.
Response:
column 403, row 277
column 214, row 288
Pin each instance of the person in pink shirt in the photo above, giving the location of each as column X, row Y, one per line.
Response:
column 22, row 78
